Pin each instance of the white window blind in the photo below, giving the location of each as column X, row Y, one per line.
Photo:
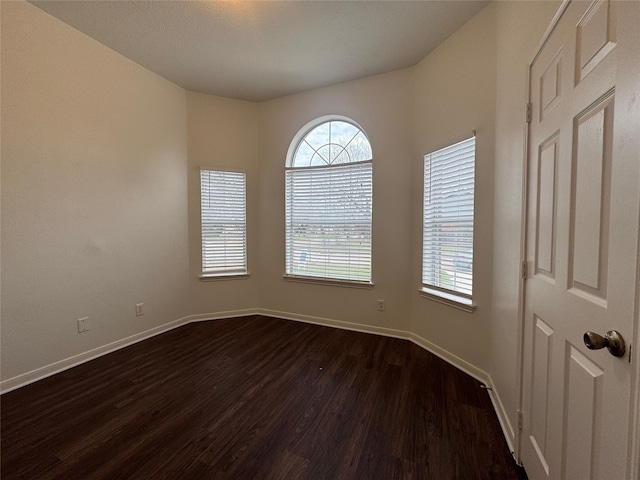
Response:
column 447, row 248
column 328, row 201
column 223, row 216
column 328, row 219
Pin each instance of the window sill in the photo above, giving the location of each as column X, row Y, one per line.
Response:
column 214, row 277
column 328, row 281
column 452, row 300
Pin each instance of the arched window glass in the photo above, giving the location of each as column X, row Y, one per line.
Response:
column 329, row 196
column 332, row 143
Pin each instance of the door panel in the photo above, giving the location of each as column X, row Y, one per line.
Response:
column 541, row 362
column 595, row 37
column 546, row 208
column 583, row 414
column 591, row 189
column 583, row 200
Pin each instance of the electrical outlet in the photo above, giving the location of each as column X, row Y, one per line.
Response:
column 381, row 305
column 83, row 324
column 139, row 309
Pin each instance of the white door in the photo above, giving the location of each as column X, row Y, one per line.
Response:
column 582, row 243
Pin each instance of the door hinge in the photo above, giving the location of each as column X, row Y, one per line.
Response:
column 520, row 420
column 524, row 269
column 529, row 110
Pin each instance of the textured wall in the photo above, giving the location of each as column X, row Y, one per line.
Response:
column 94, row 193
column 455, row 94
column 222, row 133
column 520, row 27
column 381, row 105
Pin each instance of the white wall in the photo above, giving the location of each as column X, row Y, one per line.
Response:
column 94, row 193
column 222, row 133
column 382, row 106
column 519, row 27
column 455, row 92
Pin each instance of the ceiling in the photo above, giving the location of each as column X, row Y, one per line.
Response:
column 260, row 50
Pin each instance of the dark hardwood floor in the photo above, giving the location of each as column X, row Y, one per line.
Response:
column 256, row 398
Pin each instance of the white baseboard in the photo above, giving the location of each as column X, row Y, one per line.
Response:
column 203, row 317
column 67, row 363
column 450, row 358
column 57, row 367
column 503, row 419
column 326, row 322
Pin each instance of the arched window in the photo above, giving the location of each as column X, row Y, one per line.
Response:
column 328, row 199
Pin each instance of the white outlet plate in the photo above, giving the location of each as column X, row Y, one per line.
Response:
column 83, row 324
column 139, row 309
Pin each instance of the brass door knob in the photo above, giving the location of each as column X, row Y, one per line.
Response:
column 612, row 340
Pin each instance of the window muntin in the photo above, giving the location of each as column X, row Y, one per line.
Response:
column 448, row 217
column 328, row 197
column 223, row 220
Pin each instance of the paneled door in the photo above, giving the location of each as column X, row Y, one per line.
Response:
column 582, row 243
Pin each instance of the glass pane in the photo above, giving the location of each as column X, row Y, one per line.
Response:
column 321, row 157
column 359, row 148
column 319, row 136
column 342, row 133
column 303, row 155
column 342, row 156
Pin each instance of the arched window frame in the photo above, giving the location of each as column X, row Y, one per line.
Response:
column 338, row 251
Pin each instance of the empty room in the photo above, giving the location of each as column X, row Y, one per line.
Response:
column 363, row 240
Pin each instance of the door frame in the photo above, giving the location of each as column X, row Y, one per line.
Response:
column 634, row 430
column 634, row 440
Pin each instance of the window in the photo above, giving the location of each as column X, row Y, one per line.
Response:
column 447, row 244
column 223, row 216
column 328, row 203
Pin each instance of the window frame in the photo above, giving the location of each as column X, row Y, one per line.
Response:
column 289, row 166
column 222, row 273
column 450, row 297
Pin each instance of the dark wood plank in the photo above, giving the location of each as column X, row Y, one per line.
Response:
column 256, row 398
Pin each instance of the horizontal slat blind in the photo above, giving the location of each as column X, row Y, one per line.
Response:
column 328, row 215
column 223, row 215
column 447, row 258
